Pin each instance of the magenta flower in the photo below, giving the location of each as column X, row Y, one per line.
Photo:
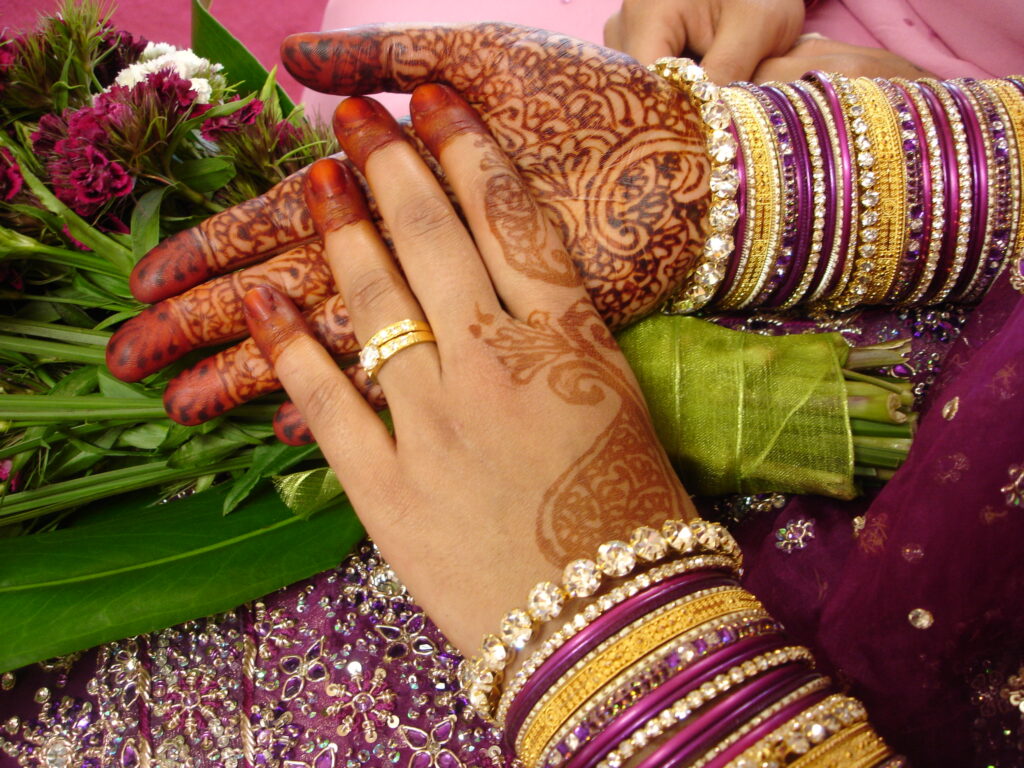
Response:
column 171, row 88
column 50, row 129
column 11, row 180
column 215, row 127
column 85, row 179
column 7, row 57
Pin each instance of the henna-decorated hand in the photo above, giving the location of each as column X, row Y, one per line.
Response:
column 613, row 155
column 470, row 511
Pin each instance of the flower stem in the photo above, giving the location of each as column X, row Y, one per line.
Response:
column 52, row 350
column 78, row 408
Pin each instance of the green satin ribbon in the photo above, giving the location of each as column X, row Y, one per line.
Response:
column 744, row 413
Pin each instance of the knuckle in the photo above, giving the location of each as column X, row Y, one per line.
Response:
column 370, row 289
column 423, row 217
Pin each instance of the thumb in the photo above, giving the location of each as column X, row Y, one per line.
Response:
column 738, row 48
column 397, row 58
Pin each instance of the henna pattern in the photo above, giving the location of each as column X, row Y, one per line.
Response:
column 251, row 232
column 613, row 155
column 624, row 479
column 212, row 312
column 241, row 373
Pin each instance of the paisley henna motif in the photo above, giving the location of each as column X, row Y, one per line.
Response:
column 212, row 312
column 624, row 479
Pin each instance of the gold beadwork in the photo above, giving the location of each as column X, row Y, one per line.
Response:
column 851, row 748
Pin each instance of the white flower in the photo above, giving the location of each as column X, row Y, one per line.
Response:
column 203, row 75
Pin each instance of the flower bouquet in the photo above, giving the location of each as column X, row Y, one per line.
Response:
column 108, row 144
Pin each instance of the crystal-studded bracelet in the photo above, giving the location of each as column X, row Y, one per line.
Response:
column 482, row 676
column 690, row 78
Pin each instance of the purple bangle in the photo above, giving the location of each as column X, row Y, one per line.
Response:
column 831, row 180
column 741, row 222
column 998, row 243
column 925, row 196
column 703, row 732
column 845, row 167
column 669, row 692
column 801, row 241
column 602, row 628
column 979, row 167
column 769, row 726
column 952, row 187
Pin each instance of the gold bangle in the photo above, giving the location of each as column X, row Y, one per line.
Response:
column 595, row 609
column 761, row 159
column 856, row 747
column 609, row 660
column 883, row 186
column 1013, row 102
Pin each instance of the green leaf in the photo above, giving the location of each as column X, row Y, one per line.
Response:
column 306, row 493
column 131, row 570
column 111, row 386
column 146, row 222
column 267, row 460
column 146, row 437
column 205, row 174
column 204, row 449
column 212, row 41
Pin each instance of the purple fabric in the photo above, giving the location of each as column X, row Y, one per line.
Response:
column 599, row 630
column 944, row 536
column 669, row 692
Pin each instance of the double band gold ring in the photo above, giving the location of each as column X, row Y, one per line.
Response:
column 389, row 341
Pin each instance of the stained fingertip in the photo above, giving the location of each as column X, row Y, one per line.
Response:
column 439, row 114
column 333, row 196
column 290, row 426
column 273, row 320
column 363, row 126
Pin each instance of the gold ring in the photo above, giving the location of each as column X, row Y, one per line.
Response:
column 389, row 341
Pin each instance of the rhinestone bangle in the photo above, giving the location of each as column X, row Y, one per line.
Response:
column 481, row 676
column 703, row 281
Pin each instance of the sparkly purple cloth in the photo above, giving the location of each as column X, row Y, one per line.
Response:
column 915, row 601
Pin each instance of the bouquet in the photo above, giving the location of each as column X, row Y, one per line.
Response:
column 109, row 143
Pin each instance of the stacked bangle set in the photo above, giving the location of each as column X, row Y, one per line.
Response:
column 845, row 192
column 668, row 662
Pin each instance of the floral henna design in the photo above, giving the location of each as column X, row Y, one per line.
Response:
column 613, row 155
column 247, row 233
column 212, row 312
column 624, row 479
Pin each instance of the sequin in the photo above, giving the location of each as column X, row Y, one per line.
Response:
column 794, row 535
column 920, row 618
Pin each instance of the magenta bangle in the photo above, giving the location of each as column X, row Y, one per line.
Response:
column 979, row 211
column 828, row 232
column 665, row 695
column 770, row 725
column 703, row 732
column 925, row 198
column 952, row 187
column 602, row 628
column 845, row 167
column 801, row 241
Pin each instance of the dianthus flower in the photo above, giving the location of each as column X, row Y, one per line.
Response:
column 11, row 180
column 216, row 127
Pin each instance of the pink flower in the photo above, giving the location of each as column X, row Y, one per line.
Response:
column 11, row 180
column 171, row 88
column 7, row 57
column 50, row 129
column 286, row 133
column 5, row 472
column 124, row 49
column 216, row 127
column 85, row 179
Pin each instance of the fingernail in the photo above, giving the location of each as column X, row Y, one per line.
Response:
column 430, row 97
column 354, row 110
column 260, row 303
column 333, row 198
column 363, row 126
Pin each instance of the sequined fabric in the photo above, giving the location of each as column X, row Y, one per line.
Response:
column 342, row 670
